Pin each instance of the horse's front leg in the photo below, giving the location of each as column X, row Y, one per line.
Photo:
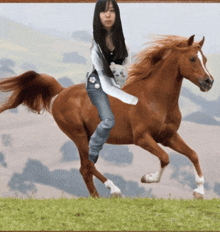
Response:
column 177, row 144
column 149, row 144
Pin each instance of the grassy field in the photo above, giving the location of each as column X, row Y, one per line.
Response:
column 109, row 214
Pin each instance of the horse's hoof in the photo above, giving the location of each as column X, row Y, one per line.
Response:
column 116, row 195
column 198, row 195
column 95, row 195
column 148, row 178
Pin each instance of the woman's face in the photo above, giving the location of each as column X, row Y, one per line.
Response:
column 108, row 17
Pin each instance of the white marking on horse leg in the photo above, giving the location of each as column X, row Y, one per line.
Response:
column 199, row 54
column 113, row 188
column 153, row 178
column 160, row 173
column 200, row 184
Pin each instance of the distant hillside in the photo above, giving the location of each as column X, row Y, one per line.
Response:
column 23, row 48
column 30, row 49
column 208, row 107
column 213, row 65
column 37, row 159
column 82, row 35
column 6, row 67
column 201, row 118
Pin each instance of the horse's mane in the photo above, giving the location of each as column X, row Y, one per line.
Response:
column 151, row 57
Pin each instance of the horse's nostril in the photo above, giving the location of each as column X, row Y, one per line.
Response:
column 208, row 81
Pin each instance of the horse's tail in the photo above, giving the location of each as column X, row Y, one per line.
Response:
column 31, row 89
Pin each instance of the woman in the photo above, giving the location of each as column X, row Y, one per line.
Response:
column 108, row 51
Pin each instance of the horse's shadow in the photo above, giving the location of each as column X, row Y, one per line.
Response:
column 70, row 182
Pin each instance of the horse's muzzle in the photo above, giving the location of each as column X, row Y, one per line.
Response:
column 206, row 85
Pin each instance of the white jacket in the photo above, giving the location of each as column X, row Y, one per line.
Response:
column 109, row 85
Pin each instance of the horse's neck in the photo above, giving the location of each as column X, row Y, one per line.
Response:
column 167, row 82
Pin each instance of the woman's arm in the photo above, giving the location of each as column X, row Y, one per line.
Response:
column 106, row 83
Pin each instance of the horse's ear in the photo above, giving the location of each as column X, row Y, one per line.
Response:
column 190, row 40
column 202, row 41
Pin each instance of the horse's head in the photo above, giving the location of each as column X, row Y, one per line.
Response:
column 192, row 64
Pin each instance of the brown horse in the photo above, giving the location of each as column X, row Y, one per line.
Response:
column 155, row 78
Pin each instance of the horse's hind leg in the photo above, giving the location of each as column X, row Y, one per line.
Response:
column 149, row 144
column 87, row 175
column 78, row 135
column 177, row 144
column 88, row 169
column 114, row 190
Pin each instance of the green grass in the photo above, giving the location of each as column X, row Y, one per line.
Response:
column 109, row 214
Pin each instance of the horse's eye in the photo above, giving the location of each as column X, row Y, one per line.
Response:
column 192, row 58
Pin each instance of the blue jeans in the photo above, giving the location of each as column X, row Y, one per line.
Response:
column 100, row 100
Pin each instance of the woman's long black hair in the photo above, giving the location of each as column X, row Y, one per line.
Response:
column 99, row 33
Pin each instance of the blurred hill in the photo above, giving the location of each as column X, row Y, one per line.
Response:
column 35, row 156
column 37, row 159
column 82, row 35
column 29, row 49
